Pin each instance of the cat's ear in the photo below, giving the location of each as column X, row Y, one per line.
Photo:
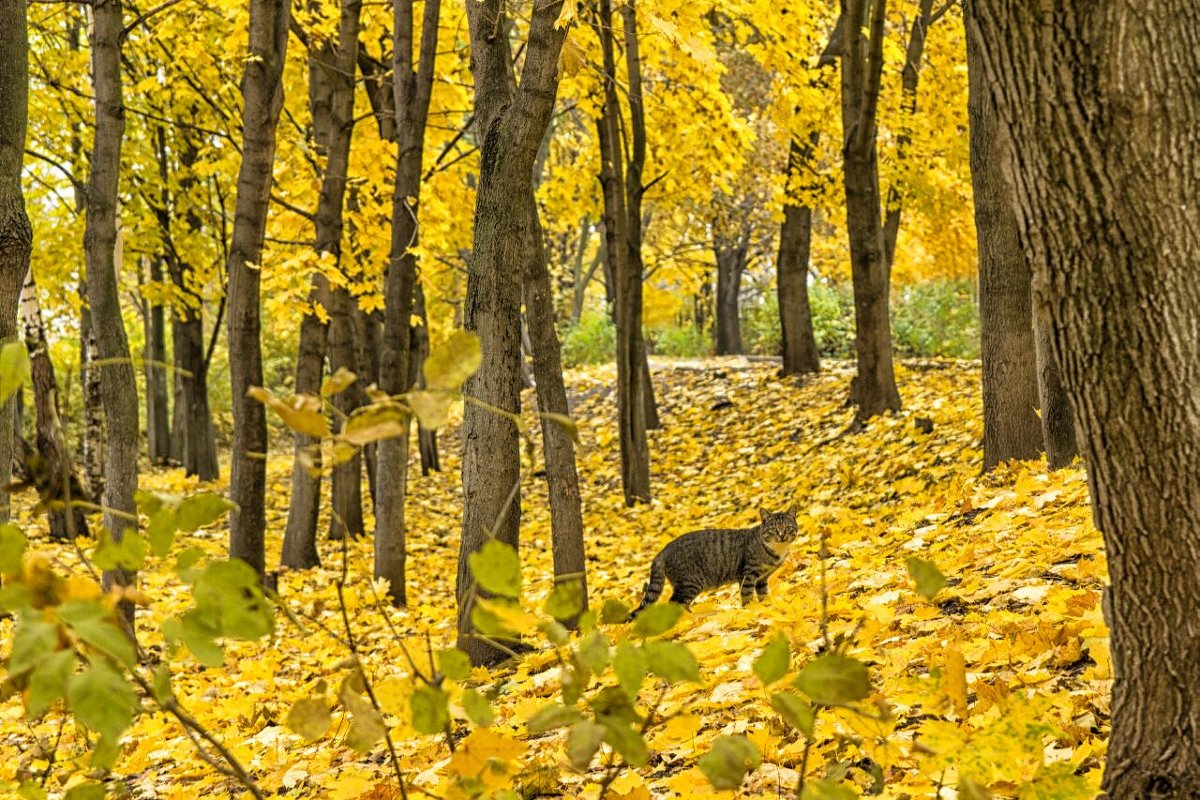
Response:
column 764, row 514
column 793, row 509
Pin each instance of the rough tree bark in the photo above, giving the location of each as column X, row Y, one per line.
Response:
column 873, row 390
column 158, row 422
column 627, row 277
column 262, row 93
column 413, row 86
column 511, row 125
column 16, row 234
column 304, row 505
column 1058, row 423
column 117, row 382
column 1011, row 428
column 800, row 355
column 730, row 255
column 1102, row 100
column 91, row 442
column 51, row 443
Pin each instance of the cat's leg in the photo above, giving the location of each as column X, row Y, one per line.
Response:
column 684, row 594
column 761, row 588
column 749, row 581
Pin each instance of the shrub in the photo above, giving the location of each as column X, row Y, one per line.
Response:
column 682, row 342
column 592, row 340
column 936, row 318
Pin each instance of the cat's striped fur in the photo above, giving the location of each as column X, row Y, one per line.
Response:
column 708, row 559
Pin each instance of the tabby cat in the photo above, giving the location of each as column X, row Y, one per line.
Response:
column 711, row 558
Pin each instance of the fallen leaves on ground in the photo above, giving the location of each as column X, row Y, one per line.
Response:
column 1014, row 641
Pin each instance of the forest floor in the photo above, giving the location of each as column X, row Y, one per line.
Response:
column 1003, row 677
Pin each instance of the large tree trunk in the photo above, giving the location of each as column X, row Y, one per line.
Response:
column 731, row 263
column 1011, row 429
column 117, row 382
column 800, row 355
column 1102, row 102
column 51, row 444
column 1058, row 423
column 158, row 422
column 16, row 234
column 413, row 85
column 512, row 123
column 632, row 369
column 262, row 93
column 197, row 448
column 873, row 390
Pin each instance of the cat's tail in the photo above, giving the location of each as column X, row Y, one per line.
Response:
column 654, row 587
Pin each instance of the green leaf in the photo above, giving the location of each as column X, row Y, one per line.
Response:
column 15, row 597
column 105, row 753
column 230, row 602
column 102, row 700
column 555, row 632
column 497, row 569
column 94, row 624
column 829, row 790
column 201, row 510
column 772, row 663
column 161, row 531
column 430, row 709
column 631, row 667
column 32, row 790
column 454, row 664
column 583, row 740
column 478, row 709
column 453, row 361
column 14, row 368
column 366, row 729
column 657, row 619
column 729, row 761
column 565, row 600
column 12, row 549
column 593, row 652
column 129, row 553
column 85, row 791
column 49, row 681
column 627, row 740
column 671, row 661
column 926, row 575
column 795, row 712
column 834, row 680
column 551, row 717
column 310, row 717
column 161, row 684
column 34, row 640
column 614, row 612
column 199, row 641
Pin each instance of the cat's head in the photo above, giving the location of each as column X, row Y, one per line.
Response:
column 779, row 527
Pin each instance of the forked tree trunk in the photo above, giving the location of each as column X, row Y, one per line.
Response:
column 632, row 366
column 873, row 390
column 1058, row 423
column 413, row 86
column 16, row 233
column 1102, row 102
column 511, row 123
column 1011, row 428
column 800, row 355
column 262, row 93
column 51, row 443
column 117, row 383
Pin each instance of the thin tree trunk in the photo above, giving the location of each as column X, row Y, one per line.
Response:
column 117, row 383
column 92, row 435
column 304, row 505
column 413, row 85
column 1102, row 103
column 910, row 78
column 262, row 93
column 1011, row 428
column 800, row 355
column 51, row 444
column 346, row 482
column 1058, row 423
column 511, row 123
column 873, row 390
column 158, row 426
column 16, row 233
column 367, row 338
column 419, row 338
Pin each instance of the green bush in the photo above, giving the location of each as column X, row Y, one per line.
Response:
column 681, row 342
column 592, row 340
column 936, row 318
